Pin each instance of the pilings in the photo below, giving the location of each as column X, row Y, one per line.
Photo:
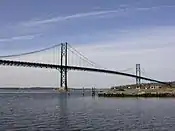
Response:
column 93, row 91
column 83, row 91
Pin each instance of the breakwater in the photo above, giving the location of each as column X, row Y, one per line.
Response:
column 138, row 93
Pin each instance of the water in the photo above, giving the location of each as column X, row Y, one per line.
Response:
column 51, row 111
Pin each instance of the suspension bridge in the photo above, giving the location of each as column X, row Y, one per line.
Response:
column 62, row 63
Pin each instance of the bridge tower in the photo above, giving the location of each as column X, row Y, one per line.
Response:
column 63, row 69
column 138, row 73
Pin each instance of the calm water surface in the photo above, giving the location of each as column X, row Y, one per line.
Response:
column 52, row 111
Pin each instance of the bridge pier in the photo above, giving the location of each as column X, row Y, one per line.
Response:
column 63, row 69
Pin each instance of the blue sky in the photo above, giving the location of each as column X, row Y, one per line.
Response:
column 77, row 21
column 130, row 31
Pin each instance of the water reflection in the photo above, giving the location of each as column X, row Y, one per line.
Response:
column 53, row 111
column 63, row 111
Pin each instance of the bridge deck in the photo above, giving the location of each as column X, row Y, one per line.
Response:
column 52, row 66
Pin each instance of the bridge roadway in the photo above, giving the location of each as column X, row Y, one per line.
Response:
column 53, row 66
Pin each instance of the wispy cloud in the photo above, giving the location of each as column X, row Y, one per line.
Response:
column 24, row 37
column 122, row 8
column 154, row 7
column 78, row 15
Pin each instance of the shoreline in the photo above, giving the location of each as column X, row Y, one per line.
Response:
column 139, row 93
column 136, row 95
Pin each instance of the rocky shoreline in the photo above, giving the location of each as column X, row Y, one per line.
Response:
column 138, row 93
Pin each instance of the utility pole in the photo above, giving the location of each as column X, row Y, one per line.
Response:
column 138, row 73
column 63, row 70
